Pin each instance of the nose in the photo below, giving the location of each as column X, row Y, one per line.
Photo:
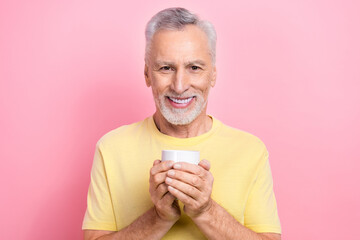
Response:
column 181, row 82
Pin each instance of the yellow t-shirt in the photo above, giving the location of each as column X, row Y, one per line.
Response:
column 119, row 187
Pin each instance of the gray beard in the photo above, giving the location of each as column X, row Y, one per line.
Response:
column 181, row 116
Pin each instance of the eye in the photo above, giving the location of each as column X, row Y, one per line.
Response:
column 165, row 68
column 194, row 68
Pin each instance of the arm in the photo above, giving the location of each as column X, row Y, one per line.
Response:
column 192, row 185
column 217, row 223
column 223, row 226
column 147, row 226
column 154, row 223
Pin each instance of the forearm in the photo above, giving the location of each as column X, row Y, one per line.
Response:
column 147, row 226
column 218, row 224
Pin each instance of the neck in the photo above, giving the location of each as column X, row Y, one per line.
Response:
column 200, row 125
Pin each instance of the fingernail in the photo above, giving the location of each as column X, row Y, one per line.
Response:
column 177, row 166
column 168, row 180
column 169, row 163
column 171, row 173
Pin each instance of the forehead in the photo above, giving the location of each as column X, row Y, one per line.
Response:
column 185, row 44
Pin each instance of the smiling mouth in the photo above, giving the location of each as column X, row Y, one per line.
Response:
column 181, row 100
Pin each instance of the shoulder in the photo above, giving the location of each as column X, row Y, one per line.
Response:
column 241, row 136
column 242, row 140
column 122, row 134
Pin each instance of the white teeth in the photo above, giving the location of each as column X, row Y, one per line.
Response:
column 181, row 100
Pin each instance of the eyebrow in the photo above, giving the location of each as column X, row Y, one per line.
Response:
column 194, row 62
column 160, row 63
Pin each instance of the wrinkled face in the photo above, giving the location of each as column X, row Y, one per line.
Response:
column 180, row 72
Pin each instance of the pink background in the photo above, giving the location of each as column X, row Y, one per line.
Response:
column 288, row 72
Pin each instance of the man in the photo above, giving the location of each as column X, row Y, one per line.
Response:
column 234, row 200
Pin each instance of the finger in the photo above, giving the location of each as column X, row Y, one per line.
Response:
column 156, row 162
column 161, row 191
column 183, row 187
column 161, row 167
column 168, row 198
column 185, row 199
column 191, row 168
column 189, row 178
column 158, row 179
column 205, row 164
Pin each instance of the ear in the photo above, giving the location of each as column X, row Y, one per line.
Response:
column 146, row 74
column 213, row 77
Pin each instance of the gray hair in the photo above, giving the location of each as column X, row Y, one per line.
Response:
column 177, row 19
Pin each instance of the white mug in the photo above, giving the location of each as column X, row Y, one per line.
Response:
column 181, row 156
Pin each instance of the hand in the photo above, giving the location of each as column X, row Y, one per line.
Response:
column 166, row 207
column 192, row 185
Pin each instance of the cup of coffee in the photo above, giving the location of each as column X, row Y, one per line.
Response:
column 181, row 156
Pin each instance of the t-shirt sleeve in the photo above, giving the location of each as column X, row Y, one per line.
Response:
column 99, row 214
column 261, row 210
